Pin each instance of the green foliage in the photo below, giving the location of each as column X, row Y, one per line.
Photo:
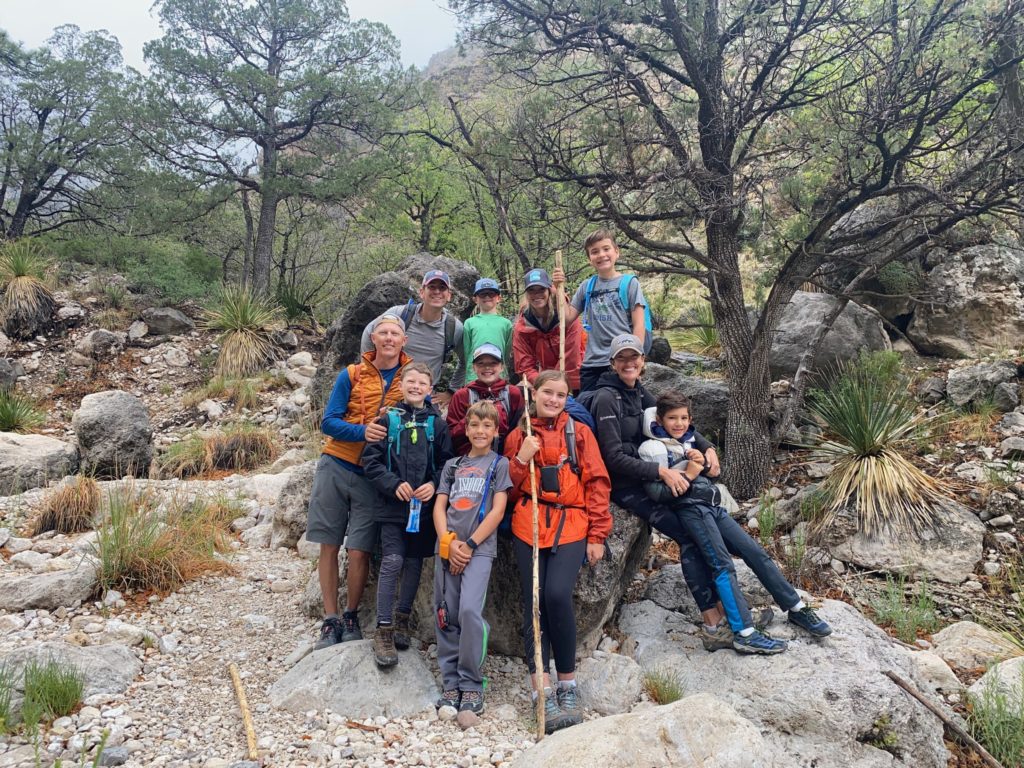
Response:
column 663, row 685
column 52, row 689
column 900, row 279
column 26, row 303
column 703, row 340
column 908, row 619
column 19, row 413
column 766, row 519
column 813, row 505
column 995, row 719
column 244, row 321
column 6, row 694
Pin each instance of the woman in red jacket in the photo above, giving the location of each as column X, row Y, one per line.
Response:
column 535, row 334
column 573, row 490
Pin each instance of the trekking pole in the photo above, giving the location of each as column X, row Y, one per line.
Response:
column 538, row 656
column 561, row 315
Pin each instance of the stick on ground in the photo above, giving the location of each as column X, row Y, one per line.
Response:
column 243, row 704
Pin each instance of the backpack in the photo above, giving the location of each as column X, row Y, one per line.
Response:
column 395, row 428
column 624, row 284
column 579, row 412
column 503, row 397
column 449, row 326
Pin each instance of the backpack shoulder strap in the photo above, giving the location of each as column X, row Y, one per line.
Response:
column 408, row 312
column 394, row 430
column 570, row 447
column 586, row 300
column 429, row 429
column 483, row 510
column 624, row 284
column 449, row 334
column 474, row 396
column 506, row 399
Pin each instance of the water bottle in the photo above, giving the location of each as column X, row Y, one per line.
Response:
column 413, row 526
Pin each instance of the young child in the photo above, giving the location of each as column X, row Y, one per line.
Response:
column 488, row 326
column 599, row 301
column 470, row 504
column 487, row 385
column 405, row 468
column 673, row 442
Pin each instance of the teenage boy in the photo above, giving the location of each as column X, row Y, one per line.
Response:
column 674, row 443
column 487, row 326
column 405, row 469
column 488, row 386
column 470, row 504
column 342, row 500
column 433, row 332
column 599, row 302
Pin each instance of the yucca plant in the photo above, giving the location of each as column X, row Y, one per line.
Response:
column 26, row 304
column 869, row 418
column 244, row 321
column 18, row 413
column 702, row 339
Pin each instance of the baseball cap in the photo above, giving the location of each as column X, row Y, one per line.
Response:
column 486, row 284
column 538, row 277
column 487, row 350
column 387, row 319
column 625, row 341
column 437, row 274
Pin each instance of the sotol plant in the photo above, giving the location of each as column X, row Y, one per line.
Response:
column 244, row 321
column 26, row 303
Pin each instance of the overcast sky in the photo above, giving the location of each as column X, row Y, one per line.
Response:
column 423, row 27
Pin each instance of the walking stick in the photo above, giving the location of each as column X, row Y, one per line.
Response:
column 538, row 656
column 561, row 315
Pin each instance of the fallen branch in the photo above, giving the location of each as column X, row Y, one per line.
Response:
column 362, row 726
column 250, row 732
column 953, row 727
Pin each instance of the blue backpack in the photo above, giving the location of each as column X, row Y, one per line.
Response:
column 624, row 284
column 395, row 428
column 578, row 412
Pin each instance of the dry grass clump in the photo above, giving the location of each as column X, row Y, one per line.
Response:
column 243, row 393
column 70, row 508
column 239, row 447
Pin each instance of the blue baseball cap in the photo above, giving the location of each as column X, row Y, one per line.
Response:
column 486, row 284
column 437, row 274
column 487, row 350
column 537, row 277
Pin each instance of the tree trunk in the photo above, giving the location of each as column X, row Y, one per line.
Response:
column 263, row 257
column 250, row 227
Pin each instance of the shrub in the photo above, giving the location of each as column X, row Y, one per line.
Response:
column 868, row 418
column 995, row 719
column 766, row 519
column 239, row 447
column 19, row 413
column 663, row 685
column 70, row 508
column 898, row 278
column 52, row 689
column 26, row 304
column 6, row 694
column 244, row 321
column 702, row 339
column 907, row 619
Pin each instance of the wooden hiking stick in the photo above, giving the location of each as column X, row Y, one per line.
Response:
column 561, row 316
column 250, row 732
column 538, row 656
column 953, row 728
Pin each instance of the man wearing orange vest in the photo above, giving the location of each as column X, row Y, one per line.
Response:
column 342, row 501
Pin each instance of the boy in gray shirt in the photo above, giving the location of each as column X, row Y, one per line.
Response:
column 470, row 504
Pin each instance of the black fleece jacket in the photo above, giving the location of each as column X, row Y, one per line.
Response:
column 618, row 412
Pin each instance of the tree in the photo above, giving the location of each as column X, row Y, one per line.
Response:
column 704, row 128
column 61, row 118
column 274, row 97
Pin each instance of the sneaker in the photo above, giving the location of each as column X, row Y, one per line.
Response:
column 330, row 634
column 554, row 717
column 452, row 698
column 472, row 701
column 758, row 643
column 808, row 620
column 350, row 627
column 568, row 701
column 717, row 640
column 402, row 630
column 384, row 652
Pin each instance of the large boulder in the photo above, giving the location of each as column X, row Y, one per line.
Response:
column 975, row 383
column 969, row 646
column 1005, row 678
column 825, row 703
column 947, row 552
column 115, row 436
column 856, row 329
column 292, row 505
column 343, row 336
column 598, row 591
column 699, row 731
column 30, row 461
column 100, row 344
column 345, row 679
column 975, row 303
column 709, row 397
column 59, row 589
column 167, row 321
column 610, row 683
column 8, row 375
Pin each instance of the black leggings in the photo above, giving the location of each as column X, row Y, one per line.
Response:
column 558, row 573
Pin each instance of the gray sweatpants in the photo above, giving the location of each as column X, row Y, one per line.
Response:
column 462, row 647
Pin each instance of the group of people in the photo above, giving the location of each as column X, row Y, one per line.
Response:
column 399, row 477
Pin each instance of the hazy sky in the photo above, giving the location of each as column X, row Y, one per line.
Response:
column 423, row 27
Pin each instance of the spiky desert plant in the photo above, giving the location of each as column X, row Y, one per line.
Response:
column 702, row 339
column 19, row 413
column 26, row 304
column 244, row 320
column 869, row 418
column 70, row 508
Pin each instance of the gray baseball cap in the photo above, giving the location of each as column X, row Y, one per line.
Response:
column 487, row 350
column 625, row 341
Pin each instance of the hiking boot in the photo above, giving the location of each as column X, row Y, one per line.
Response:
column 758, row 643
column 809, row 621
column 568, row 701
column 472, row 701
column 330, row 634
column 384, row 651
column 402, row 630
column 718, row 640
column 452, row 698
column 350, row 627
column 554, row 717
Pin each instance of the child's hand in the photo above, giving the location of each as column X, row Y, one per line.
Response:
column 375, row 432
column 425, row 492
column 557, row 276
column 404, row 491
column 528, row 449
column 695, row 456
column 441, row 399
column 459, row 554
column 595, row 551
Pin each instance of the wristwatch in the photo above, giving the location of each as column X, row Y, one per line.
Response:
column 472, row 544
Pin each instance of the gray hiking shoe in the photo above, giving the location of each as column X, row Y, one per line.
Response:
column 568, row 701
column 472, row 701
column 757, row 643
column 402, row 630
column 554, row 717
column 450, row 698
column 350, row 627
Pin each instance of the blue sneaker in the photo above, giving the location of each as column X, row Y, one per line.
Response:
column 809, row 621
column 758, row 643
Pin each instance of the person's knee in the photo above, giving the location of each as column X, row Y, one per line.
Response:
column 391, row 564
column 329, row 553
column 357, row 557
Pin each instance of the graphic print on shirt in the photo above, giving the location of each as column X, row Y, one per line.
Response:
column 467, row 488
column 605, row 305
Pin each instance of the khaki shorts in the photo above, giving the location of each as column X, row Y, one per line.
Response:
column 342, row 507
